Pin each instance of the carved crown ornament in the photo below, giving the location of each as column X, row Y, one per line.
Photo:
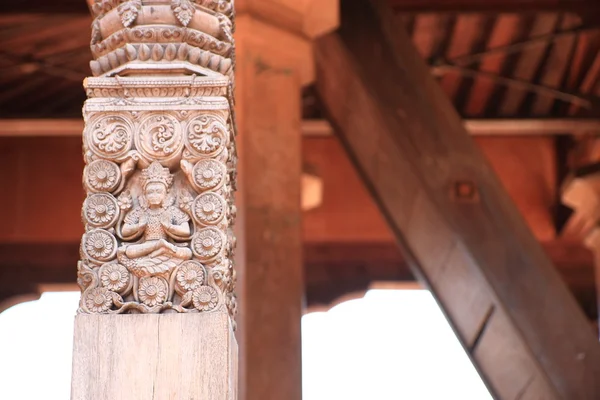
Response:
column 160, row 31
column 160, row 159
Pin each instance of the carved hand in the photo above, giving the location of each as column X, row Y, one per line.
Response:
column 167, row 225
column 143, row 222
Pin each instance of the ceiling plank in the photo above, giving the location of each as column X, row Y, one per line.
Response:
column 459, row 228
column 464, row 39
column 495, row 6
column 527, row 66
column 320, row 127
column 506, row 30
column 556, row 65
column 43, row 7
column 412, row 6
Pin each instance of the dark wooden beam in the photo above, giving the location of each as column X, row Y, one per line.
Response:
column 20, row 127
column 458, row 226
column 44, row 7
column 335, row 269
column 411, row 6
column 332, row 269
column 494, row 6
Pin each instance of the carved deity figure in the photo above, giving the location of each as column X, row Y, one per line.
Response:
column 159, row 224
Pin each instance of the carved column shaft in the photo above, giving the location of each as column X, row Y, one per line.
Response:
column 160, row 175
column 160, row 159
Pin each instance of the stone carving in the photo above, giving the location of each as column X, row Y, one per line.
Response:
column 160, row 159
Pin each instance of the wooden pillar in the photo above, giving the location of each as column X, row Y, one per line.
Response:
column 159, row 178
column 274, row 62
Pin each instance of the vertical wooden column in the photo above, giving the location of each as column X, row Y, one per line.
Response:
column 274, row 61
column 157, row 310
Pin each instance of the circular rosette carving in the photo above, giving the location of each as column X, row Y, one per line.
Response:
column 207, row 243
column 206, row 135
column 99, row 245
column 209, row 174
column 160, row 137
column 100, row 210
column 152, row 290
column 209, row 208
column 189, row 276
column 114, row 277
column 102, row 176
column 109, row 136
column 98, row 300
column 205, row 298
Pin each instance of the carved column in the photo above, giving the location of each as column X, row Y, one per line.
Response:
column 274, row 62
column 160, row 174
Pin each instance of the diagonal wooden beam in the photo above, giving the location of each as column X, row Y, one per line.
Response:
column 457, row 225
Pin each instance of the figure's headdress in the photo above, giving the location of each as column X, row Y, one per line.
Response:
column 156, row 173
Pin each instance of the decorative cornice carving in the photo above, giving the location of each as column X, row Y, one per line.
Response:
column 153, row 53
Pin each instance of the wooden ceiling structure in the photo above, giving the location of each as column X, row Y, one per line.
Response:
column 525, row 76
column 512, row 70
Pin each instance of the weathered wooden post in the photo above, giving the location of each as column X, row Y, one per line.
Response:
column 156, row 317
column 274, row 62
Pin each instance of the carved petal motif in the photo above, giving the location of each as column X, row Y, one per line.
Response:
column 100, row 210
column 207, row 243
column 102, row 176
column 99, row 245
column 184, row 11
column 209, row 173
column 190, row 276
column 209, row 208
column 98, row 300
column 96, row 33
column 114, row 277
column 153, row 290
column 205, row 298
column 129, row 12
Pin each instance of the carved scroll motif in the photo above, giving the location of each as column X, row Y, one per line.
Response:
column 160, row 160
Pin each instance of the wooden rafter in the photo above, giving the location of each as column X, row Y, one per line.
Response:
column 46, row 7
column 549, row 92
column 459, row 228
column 332, row 270
column 321, row 127
column 494, row 6
column 527, row 44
